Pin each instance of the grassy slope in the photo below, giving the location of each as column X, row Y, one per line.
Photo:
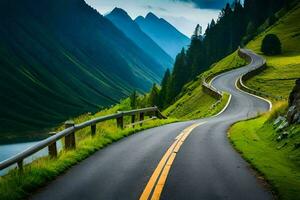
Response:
column 283, row 69
column 279, row 162
column 193, row 103
column 15, row 186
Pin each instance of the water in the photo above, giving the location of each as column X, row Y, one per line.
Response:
column 9, row 150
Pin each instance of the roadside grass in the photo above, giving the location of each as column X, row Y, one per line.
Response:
column 15, row 186
column 193, row 102
column 230, row 62
column 256, row 139
column 277, row 161
column 284, row 69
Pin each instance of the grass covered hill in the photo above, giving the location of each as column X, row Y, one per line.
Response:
column 193, row 102
column 284, row 69
column 61, row 58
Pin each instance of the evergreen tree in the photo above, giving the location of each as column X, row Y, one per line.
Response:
column 153, row 99
column 179, row 75
column 134, row 100
column 194, row 55
column 164, row 98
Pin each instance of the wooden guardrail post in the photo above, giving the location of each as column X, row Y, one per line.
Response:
column 156, row 112
column 52, row 148
column 120, row 122
column 133, row 120
column 142, row 117
column 70, row 142
column 93, row 129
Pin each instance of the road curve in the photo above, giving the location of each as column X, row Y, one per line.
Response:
column 206, row 166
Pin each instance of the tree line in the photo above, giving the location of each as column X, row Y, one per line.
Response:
column 237, row 24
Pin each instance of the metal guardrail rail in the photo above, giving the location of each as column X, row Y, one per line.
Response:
column 69, row 134
column 251, row 73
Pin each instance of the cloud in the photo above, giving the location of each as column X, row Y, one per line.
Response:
column 209, row 4
column 149, row 7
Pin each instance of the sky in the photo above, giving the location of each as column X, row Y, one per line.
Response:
column 183, row 14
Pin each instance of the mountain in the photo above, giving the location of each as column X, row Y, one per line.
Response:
column 163, row 33
column 59, row 59
column 129, row 27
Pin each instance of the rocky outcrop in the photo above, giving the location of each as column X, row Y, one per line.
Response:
column 282, row 124
column 293, row 114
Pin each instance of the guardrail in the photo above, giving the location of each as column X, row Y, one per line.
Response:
column 69, row 134
column 209, row 89
column 250, row 74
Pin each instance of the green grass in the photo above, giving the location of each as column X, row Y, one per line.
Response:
column 277, row 161
column 228, row 63
column 283, row 69
column 193, row 103
column 18, row 186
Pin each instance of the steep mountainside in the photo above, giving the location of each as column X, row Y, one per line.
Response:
column 129, row 27
column 62, row 58
column 163, row 33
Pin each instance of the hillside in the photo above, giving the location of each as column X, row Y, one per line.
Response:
column 62, row 58
column 193, row 102
column 130, row 28
column 163, row 33
column 283, row 69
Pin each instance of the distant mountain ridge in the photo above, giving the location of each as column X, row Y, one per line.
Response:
column 122, row 21
column 59, row 59
column 163, row 33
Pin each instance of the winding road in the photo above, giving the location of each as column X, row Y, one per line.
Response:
column 186, row 160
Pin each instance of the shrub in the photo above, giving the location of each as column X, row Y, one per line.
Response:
column 271, row 45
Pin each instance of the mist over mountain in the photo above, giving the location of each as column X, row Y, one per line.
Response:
column 209, row 4
column 122, row 21
column 59, row 59
column 163, row 33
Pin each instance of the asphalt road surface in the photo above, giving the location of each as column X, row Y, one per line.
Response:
column 204, row 166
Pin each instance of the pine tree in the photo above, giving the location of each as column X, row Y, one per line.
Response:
column 133, row 100
column 179, row 75
column 194, row 55
column 154, row 96
column 164, row 92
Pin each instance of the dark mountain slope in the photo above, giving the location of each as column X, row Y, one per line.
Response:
column 129, row 27
column 163, row 33
column 61, row 58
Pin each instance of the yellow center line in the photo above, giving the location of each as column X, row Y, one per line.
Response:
column 162, row 170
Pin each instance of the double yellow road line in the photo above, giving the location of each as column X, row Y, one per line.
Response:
column 158, row 179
